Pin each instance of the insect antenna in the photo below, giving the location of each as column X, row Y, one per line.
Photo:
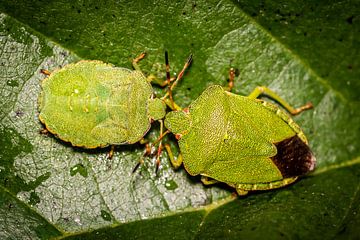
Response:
column 169, row 80
column 186, row 65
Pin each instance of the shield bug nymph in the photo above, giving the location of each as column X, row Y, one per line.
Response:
column 93, row 104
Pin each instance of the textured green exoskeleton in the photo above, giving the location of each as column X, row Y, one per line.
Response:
column 244, row 142
column 93, row 104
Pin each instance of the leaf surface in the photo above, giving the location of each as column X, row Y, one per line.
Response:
column 304, row 51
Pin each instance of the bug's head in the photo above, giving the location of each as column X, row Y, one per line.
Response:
column 156, row 108
column 178, row 122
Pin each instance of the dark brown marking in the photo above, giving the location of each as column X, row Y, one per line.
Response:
column 294, row 157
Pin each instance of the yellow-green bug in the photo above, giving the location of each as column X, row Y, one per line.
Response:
column 244, row 142
column 93, row 104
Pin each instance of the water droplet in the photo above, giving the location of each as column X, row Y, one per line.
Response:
column 105, row 215
column 77, row 220
column 171, row 185
column 79, row 168
column 12, row 83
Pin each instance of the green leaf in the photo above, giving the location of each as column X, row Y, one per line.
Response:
column 303, row 50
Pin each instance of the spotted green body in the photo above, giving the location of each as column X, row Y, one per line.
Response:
column 244, row 142
column 92, row 104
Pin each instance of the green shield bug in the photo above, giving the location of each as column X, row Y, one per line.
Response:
column 244, row 142
column 93, row 104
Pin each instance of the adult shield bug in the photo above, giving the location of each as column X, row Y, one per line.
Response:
column 244, row 142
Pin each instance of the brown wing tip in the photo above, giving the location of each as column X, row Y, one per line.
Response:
column 294, row 157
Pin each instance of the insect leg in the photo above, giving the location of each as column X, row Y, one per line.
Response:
column 147, row 152
column 176, row 163
column 172, row 105
column 231, row 80
column 241, row 192
column 111, row 153
column 264, row 90
column 143, row 141
column 154, row 80
column 44, row 131
column 136, row 60
column 160, row 146
column 45, row 72
column 208, row 181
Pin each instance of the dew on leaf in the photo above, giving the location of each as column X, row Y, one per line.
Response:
column 12, row 83
column 171, row 185
column 78, row 168
column 105, row 215
column 77, row 220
